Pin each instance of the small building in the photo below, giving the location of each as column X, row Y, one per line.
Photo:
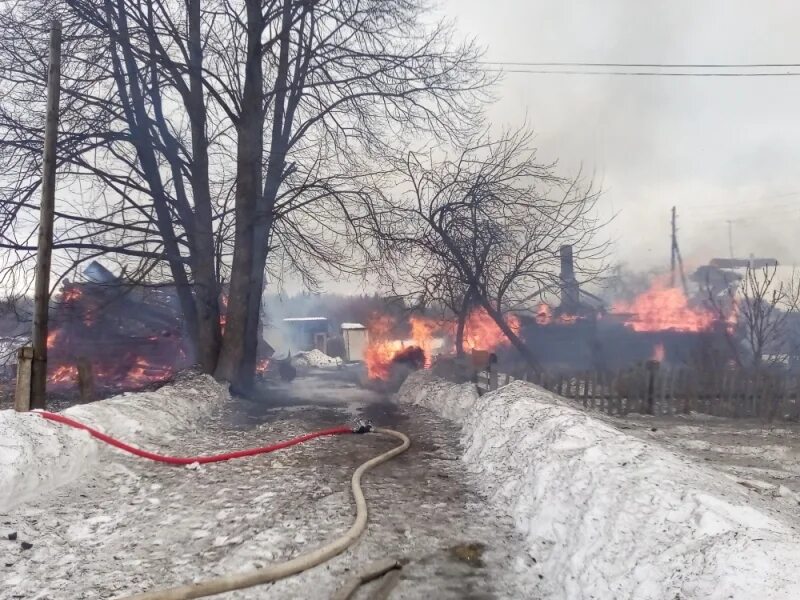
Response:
column 307, row 333
column 356, row 340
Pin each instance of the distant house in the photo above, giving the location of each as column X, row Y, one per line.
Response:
column 356, row 340
column 307, row 333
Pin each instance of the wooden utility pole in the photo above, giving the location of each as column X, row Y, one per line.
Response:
column 676, row 260
column 673, row 245
column 42, row 288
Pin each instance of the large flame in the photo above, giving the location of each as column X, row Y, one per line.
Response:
column 664, row 308
column 480, row 333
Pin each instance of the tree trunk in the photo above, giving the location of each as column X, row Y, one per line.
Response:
column 206, row 293
column 264, row 213
column 515, row 340
column 250, row 150
column 461, row 326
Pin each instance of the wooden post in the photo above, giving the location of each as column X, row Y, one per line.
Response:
column 586, row 382
column 22, row 394
column 45, row 248
column 85, row 380
column 492, row 379
column 652, row 368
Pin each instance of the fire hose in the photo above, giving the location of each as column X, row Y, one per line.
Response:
column 245, row 579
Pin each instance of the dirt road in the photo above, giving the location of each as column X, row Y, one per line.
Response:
column 135, row 525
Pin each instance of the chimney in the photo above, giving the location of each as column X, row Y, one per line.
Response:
column 569, row 285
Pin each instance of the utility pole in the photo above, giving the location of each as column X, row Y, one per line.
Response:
column 673, row 247
column 675, row 258
column 730, row 237
column 46, row 213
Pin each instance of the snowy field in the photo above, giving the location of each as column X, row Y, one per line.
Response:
column 616, row 510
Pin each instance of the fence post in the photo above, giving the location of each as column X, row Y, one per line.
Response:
column 85, row 380
column 492, row 380
column 586, row 381
column 22, row 393
column 652, row 369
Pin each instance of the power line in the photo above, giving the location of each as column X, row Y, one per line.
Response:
column 643, row 65
column 641, row 73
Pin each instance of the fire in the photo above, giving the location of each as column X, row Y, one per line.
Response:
column 223, row 317
column 143, row 371
column 262, row 365
column 71, row 294
column 63, row 374
column 480, row 333
column 663, row 308
column 544, row 314
column 52, row 338
column 422, row 331
column 658, row 353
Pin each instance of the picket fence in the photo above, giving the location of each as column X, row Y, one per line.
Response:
column 655, row 389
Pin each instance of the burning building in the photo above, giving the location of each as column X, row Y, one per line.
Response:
column 128, row 335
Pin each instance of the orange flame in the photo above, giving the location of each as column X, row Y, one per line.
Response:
column 71, row 294
column 223, row 317
column 663, row 308
column 63, row 374
column 52, row 338
column 658, row 353
column 480, row 333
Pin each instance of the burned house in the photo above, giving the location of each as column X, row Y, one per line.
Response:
column 129, row 334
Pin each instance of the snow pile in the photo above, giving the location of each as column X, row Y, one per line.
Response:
column 38, row 455
column 315, row 358
column 607, row 515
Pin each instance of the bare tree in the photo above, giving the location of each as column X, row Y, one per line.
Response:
column 492, row 220
column 223, row 140
column 760, row 310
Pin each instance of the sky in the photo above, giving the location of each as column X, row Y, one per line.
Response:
column 724, row 151
column 718, row 149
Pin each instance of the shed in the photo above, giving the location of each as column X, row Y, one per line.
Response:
column 307, row 333
column 356, row 340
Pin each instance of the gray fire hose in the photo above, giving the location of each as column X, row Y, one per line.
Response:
column 245, row 579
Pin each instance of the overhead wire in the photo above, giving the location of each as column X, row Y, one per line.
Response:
column 601, row 68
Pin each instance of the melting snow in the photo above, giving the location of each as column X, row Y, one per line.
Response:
column 609, row 515
column 38, row 455
column 315, row 358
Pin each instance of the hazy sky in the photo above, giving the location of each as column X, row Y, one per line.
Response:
column 717, row 148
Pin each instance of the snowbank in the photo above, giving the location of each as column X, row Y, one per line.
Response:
column 315, row 358
column 607, row 515
column 38, row 455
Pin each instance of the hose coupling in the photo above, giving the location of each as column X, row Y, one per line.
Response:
column 362, row 426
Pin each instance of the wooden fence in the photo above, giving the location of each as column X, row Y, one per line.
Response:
column 653, row 389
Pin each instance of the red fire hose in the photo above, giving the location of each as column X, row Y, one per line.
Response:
column 177, row 460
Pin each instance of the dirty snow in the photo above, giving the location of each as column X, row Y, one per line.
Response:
column 38, row 455
column 610, row 515
column 133, row 525
column 315, row 358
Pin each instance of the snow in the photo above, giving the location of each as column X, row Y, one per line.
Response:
column 133, row 525
column 38, row 455
column 291, row 319
column 315, row 358
column 608, row 514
